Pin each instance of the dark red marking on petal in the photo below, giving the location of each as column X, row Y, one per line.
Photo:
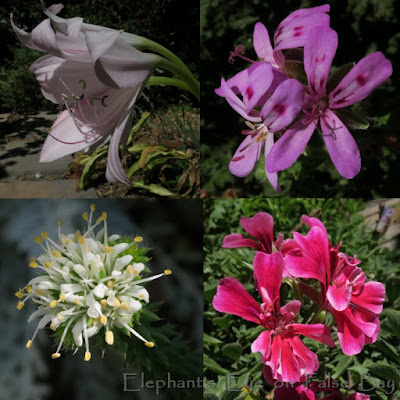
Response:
column 323, row 58
column 280, row 109
column 249, row 92
column 238, row 158
column 298, row 28
column 297, row 34
column 361, row 80
column 322, row 82
column 316, row 60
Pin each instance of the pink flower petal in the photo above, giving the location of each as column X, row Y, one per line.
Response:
column 288, row 147
column 237, row 83
column 245, row 157
column 339, row 297
column 261, row 227
column 308, row 360
column 369, row 73
column 283, row 106
column 311, row 221
column 271, row 176
column 262, row 43
column 319, row 52
column 235, row 240
column 291, row 309
column 289, row 364
column 274, row 361
column 268, row 270
column 262, row 344
column 318, row 332
column 341, row 145
column 232, row 298
column 371, row 297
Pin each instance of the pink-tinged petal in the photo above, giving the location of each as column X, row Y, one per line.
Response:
column 257, row 85
column 262, row 344
column 369, row 73
column 371, row 297
column 236, row 103
column 289, row 364
column 305, row 12
column 232, row 298
column 262, row 43
column 339, row 297
column 245, row 157
column 341, row 145
column 313, row 261
column 64, row 138
column 236, row 240
column 279, row 241
column 44, row 37
column 319, row 52
column 291, row 309
column 237, row 83
column 318, row 332
column 268, row 270
column 283, row 106
column 267, row 374
column 294, row 33
column 288, row 147
column 117, row 64
column 311, row 221
column 261, row 227
column 271, row 176
column 274, row 361
column 24, row 37
column 308, row 360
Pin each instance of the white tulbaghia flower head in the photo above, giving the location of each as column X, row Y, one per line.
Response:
column 88, row 284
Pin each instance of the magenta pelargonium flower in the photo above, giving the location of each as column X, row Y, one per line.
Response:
column 354, row 303
column 279, row 344
column 261, row 229
column 320, row 106
column 96, row 75
column 280, row 99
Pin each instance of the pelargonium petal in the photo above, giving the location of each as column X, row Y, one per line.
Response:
column 319, row 52
column 283, row 106
column 312, row 221
column 290, row 145
column 235, row 240
column 369, row 73
column 371, row 297
column 232, row 298
column 262, row 43
column 341, row 145
column 289, row 364
column 262, row 344
column 308, row 360
column 291, row 309
column 237, row 83
column 261, row 227
column 318, row 332
column 339, row 297
column 245, row 157
column 271, row 176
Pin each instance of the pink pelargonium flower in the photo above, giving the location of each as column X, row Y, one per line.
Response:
column 356, row 305
column 281, row 100
column 370, row 72
column 280, row 347
column 291, row 33
column 96, row 76
column 261, row 227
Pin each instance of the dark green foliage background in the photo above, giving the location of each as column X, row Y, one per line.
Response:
column 228, row 338
column 363, row 27
column 172, row 23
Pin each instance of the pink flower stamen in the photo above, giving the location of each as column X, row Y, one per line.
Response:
column 239, row 52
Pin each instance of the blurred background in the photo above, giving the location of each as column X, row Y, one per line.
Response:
column 173, row 231
column 363, row 27
column 174, row 121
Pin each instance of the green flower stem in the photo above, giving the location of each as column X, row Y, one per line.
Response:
column 160, row 80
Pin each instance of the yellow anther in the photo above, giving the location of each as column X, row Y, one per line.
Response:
column 53, row 303
column 81, row 240
column 37, row 239
column 53, row 327
column 88, row 356
column 33, row 264
column 110, row 337
column 129, row 269
column 85, row 216
column 93, row 207
column 102, row 218
column 62, row 297
column 47, row 264
column 103, row 319
column 149, row 344
column 167, row 272
column 76, row 301
column 45, row 235
column 103, row 302
column 76, row 236
column 135, row 271
column 138, row 239
column 117, row 303
column 124, row 305
column 59, row 223
column 55, row 355
column 38, row 291
column 20, row 305
column 107, row 249
column 96, row 321
column 67, row 241
column 141, row 296
column 19, row 294
column 56, row 254
column 60, row 317
column 110, row 284
column 28, row 344
column 28, row 288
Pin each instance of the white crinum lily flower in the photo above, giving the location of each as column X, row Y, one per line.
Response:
column 86, row 285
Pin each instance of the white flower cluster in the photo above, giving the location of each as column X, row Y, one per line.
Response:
column 86, row 285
